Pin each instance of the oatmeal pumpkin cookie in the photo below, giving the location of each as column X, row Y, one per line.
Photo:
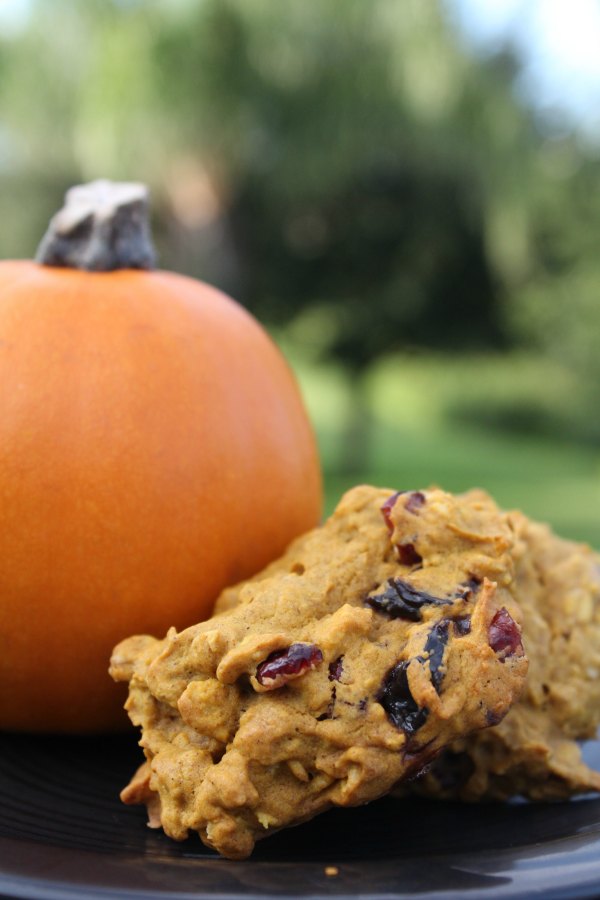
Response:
column 534, row 751
column 343, row 668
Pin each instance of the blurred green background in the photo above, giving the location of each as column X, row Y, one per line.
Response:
column 384, row 184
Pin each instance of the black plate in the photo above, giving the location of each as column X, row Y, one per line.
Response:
column 64, row 834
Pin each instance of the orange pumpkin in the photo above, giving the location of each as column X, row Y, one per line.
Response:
column 153, row 449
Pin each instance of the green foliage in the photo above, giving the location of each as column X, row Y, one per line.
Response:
column 519, row 393
column 348, row 186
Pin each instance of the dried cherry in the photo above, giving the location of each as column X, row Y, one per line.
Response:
column 328, row 714
column 394, row 694
column 398, row 702
column 469, row 587
column 400, row 600
column 462, row 625
column 493, row 718
column 336, row 669
column 435, row 646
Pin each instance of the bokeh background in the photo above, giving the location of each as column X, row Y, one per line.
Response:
column 405, row 192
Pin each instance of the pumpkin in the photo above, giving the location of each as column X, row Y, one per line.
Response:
column 154, row 448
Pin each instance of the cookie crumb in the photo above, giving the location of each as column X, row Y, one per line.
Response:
column 331, row 870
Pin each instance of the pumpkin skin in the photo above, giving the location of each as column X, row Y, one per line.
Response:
column 153, row 449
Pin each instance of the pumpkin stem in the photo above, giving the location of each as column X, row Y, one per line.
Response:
column 102, row 226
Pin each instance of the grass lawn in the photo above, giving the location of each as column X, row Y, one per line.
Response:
column 549, row 480
column 413, row 437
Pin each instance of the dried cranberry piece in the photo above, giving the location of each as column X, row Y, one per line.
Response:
column 415, row 502
column 407, row 555
column 386, row 510
column 282, row 666
column 435, row 646
column 504, row 635
column 336, row 669
column 462, row 625
column 398, row 702
column 402, row 601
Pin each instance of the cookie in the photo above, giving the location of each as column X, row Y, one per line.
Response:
column 534, row 751
column 340, row 670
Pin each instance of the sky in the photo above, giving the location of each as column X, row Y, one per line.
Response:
column 558, row 42
column 13, row 15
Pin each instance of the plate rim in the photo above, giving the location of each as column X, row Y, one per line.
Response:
column 564, row 867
